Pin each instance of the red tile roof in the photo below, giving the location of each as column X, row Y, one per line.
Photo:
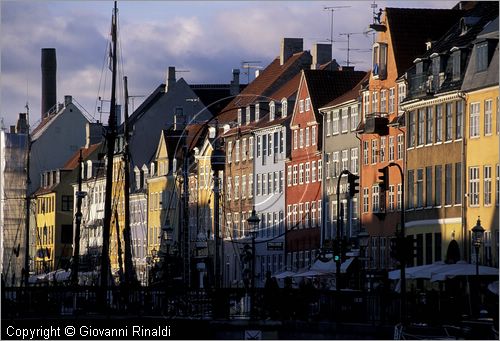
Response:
column 267, row 83
column 72, row 163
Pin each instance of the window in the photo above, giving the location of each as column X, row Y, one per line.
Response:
column 400, row 146
column 301, row 138
column 284, row 108
column 488, row 109
column 379, row 67
column 449, row 120
column 447, row 184
column 474, row 119
column 411, row 187
column 313, row 172
column 264, row 184
column 439, row 123
column 229, row 191
column 295, row 174
column 420, row 187
column 272, row 110
column 239, row 116
column 482, row 56
column 474, row 186
column 458, row 183
column 248, row 112
column 354, row 161
column 459, row 114
column 270, row 142
column 334, row 170
column 320, row 170
column 391, row 148
column 411, row 129
column 289, row 176
column 250, row 186
column 282, row 181
column 236, row 187
column 244, row 150
column 366, row 103
column 67, row 203
column 308, row 104
column 276, row 185
column 383, row 101
column 365, row 152
column 487, row 185
column 257, row 111
column 282, row 141
column 237, row 150
column 429, row 125
column 229, row 151
column 374, row 151
column 437, row 185
column 374, row 101
column 382, row 149
column 391, row 100
column 243, row 186
column 428, row 186
column 436, row 69
column 301, row 173
column 391, row 198
column 295, row 139
column 301, row 105
column 354, row 117
column 313, row 213
column 456, row 65
column 497, row 186
column 335, row 122
column 365, row 199
column 329, row 124
column 307, row 137
column 269, row 183
column 250, row 147
column 343, row 121
column 400, row 197
column 308, row 172
column 401, row 92
column 276, row 142
column 259, row 141
column 313, row 135
column 375, row 198
column 345, row 159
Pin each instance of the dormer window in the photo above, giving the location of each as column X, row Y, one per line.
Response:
column 436, row 69
column 308, row 104
column 455, row 60
column 152, row 169
column 482, row 56
column 248, row 114
column 379, row 67
column 284, row 107
column 239, row 116
column 257, row 111
column 419, row 66
column 272, row 111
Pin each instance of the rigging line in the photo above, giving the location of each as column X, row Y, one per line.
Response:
column 106, row 56
column 20, row 226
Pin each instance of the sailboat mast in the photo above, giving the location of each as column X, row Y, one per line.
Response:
column 78, row 219
column 28, row 202
column 129, row 266
column 110, row 141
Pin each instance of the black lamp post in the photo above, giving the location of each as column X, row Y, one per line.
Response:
column 253, row 223
column 363, row 239
column 477, row 240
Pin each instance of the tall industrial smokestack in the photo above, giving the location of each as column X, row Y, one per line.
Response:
column 49, row 68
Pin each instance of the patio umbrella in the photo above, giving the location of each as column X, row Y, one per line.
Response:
column 422, row 271
column 463, row 269
column 285, row 274
column 493, row 287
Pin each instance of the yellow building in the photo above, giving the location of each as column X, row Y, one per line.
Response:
column 482, row 142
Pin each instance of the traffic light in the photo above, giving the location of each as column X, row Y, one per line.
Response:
column 383, row 178
column 353, row 184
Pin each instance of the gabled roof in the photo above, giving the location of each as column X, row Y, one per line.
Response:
column 72, row 162
column 350, row 95
column 324, row 86
column 268, row 81
column 411, row 28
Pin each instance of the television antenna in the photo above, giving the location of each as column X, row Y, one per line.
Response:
column 250, row 64
column 332, row 9
column 349, row 49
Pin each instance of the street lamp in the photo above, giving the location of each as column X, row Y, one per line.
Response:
column 477, row 240
column 363, row 239
column 253, row 223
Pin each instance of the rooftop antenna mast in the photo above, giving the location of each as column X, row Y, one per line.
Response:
column 349, row 34
column 332, row 9
column 249, row 64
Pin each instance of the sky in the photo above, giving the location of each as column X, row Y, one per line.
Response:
column 204, row 39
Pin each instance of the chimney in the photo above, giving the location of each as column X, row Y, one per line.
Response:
column 22, row 124
column 170, row 78
column 179, row 119
column 321, row 54
column 234, row 88
column 289, row 46
column 49, row 68
column 93, row 133
column 68, row 100
column 12, row 129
